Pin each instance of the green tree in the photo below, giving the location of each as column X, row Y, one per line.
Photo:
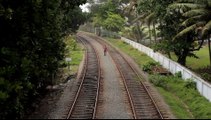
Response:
column 169, row 20
column 31, row 48
column 198, row 20
column 171, row 25
column 105, row 12
column 114, row 22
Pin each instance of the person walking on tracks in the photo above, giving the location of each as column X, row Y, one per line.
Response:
column 105, row 50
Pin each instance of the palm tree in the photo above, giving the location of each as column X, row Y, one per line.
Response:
column 131, row 9
column 151, row 19
column 198, row 14
column 148, row 17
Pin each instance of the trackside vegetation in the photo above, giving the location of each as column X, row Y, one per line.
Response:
column 181, row 95
column 32, row 34
column 69, row 69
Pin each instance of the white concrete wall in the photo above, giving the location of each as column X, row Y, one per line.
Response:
column 203, row 87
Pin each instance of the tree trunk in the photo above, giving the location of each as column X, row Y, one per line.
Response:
column 160, row 36
column 139, row 32
column 182, row 56
column 182, row 60
column 154, row 29
column 209, row 49
column 150, row 35
column 169, row 54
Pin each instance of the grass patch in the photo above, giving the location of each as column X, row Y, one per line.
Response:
column 76, row 59
column 75, row 52
column 139, row 57
column 203, row 60
column 67, row 69
column 200, row 65
column 175, row 104
column 195, row 63
column 191, row 102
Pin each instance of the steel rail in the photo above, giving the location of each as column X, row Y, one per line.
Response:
column 126, row 86
column 83, row 77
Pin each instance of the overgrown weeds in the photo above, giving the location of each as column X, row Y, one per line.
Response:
column 186, row 91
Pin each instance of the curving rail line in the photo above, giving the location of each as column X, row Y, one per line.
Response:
column 144, row 107
column 86, row 98
column 142, row 104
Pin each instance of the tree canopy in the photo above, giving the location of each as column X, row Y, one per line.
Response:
column 32, row 47
column 106, row 14
column 178, row 22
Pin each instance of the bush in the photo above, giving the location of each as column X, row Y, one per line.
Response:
column 206, row 76
column 178, row 74
column 148, row 66
column 125, row 43
column 159, row 81
column 190, row 84
column 186, row 91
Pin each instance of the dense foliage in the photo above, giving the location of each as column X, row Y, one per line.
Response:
column 32, row 47
column 175, row 26
column 107, row 15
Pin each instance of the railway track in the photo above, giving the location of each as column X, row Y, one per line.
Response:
column 86, row 98
column 142, row 104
